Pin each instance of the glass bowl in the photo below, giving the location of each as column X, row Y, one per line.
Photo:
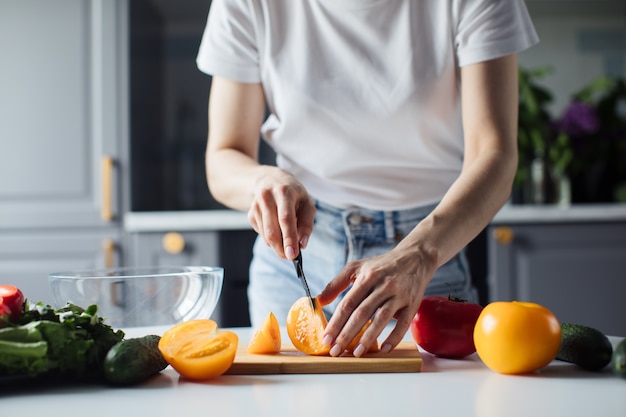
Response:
column 142, row 296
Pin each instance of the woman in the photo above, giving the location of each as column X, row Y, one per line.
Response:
column 394, row 123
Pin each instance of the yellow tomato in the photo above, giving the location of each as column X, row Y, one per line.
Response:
column 305, row 326
column 266, row 339
column 197, row 350
column 516, row 337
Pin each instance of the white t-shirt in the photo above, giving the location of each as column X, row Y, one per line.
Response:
column 364, row 94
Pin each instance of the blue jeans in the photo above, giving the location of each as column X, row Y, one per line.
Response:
column 340, row 236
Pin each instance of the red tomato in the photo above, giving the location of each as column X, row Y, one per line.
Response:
column 4, row 310
column 444, row 326
column 13, row 299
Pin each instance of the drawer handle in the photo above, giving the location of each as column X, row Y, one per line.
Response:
column 106, row 211
column 173, row 243
column 118, row 294
column 503, row 235
column 109, row 253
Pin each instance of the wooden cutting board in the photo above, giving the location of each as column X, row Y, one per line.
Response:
column 404, row 358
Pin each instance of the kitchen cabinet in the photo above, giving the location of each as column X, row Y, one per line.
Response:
column 27, row 257
column 212, row 238
column 62, row 111
column 574, row 266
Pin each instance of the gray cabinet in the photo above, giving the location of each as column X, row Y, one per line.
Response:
column 61, row 114
column 577, row 270
column 230, row 249
column 174, row 248
column 27, row 257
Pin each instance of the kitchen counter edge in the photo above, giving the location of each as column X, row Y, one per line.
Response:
column 219, row 220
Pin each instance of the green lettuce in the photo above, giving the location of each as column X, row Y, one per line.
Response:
column 70, row 342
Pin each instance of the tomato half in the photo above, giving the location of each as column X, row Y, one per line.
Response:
column 13, row 298
column 444, row 326
column 305, row 327
column 517, row 337
column 198, row 350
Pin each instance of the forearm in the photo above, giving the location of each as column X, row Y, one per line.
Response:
column 490, row 103
column 235, row 115
column 232, row 177
column 466, row 209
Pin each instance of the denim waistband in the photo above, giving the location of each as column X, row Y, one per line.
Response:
column 395, row 223
column 415, row 212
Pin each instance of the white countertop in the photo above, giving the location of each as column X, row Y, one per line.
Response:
column 183, row 221
column 443, row 388
column 219, row 220
column 557, row 214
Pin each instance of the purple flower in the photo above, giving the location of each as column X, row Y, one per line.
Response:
column 579, row 119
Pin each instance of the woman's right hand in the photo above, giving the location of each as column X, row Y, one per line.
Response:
column 282, row 212
column 279, row 207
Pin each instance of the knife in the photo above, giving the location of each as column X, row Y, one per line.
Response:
column 298, row 264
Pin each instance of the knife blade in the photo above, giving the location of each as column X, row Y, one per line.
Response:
column 297, row 263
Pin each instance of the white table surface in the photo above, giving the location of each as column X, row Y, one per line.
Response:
column 443, row 388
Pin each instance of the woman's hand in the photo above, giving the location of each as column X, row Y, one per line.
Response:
column 282, row 212
column 383, row 287
column 279, row 208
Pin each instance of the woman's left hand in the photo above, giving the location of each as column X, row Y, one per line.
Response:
column 383, row 287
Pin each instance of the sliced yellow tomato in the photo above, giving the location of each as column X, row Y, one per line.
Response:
column 198, row 350
column 305, row 327
column 266, row 339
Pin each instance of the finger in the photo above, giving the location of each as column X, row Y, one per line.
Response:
column 253, row 219
column 353, row 312
column 337, row 321
column 306, row 219
column 269, row 219
column 381, row 319
column 341, row 329
column 287, row 222
column 403, row 323
column 359, row 319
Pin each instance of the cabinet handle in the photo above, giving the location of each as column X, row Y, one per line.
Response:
column 118, row 294
column 173, row 243
column 108, row 245
column 503, row 235
column 106, row 211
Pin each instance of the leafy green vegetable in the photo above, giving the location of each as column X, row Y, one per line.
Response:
column 70, row 341
column 23, row 351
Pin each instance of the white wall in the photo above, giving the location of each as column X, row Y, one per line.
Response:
column 580, row 40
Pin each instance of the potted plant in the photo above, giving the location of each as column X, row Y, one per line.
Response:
column 534, row 133
column 584, row 147
column 594, row 123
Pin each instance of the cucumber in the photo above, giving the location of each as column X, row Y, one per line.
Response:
column 584, row 346
column 618, row 363
column 132, row 361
